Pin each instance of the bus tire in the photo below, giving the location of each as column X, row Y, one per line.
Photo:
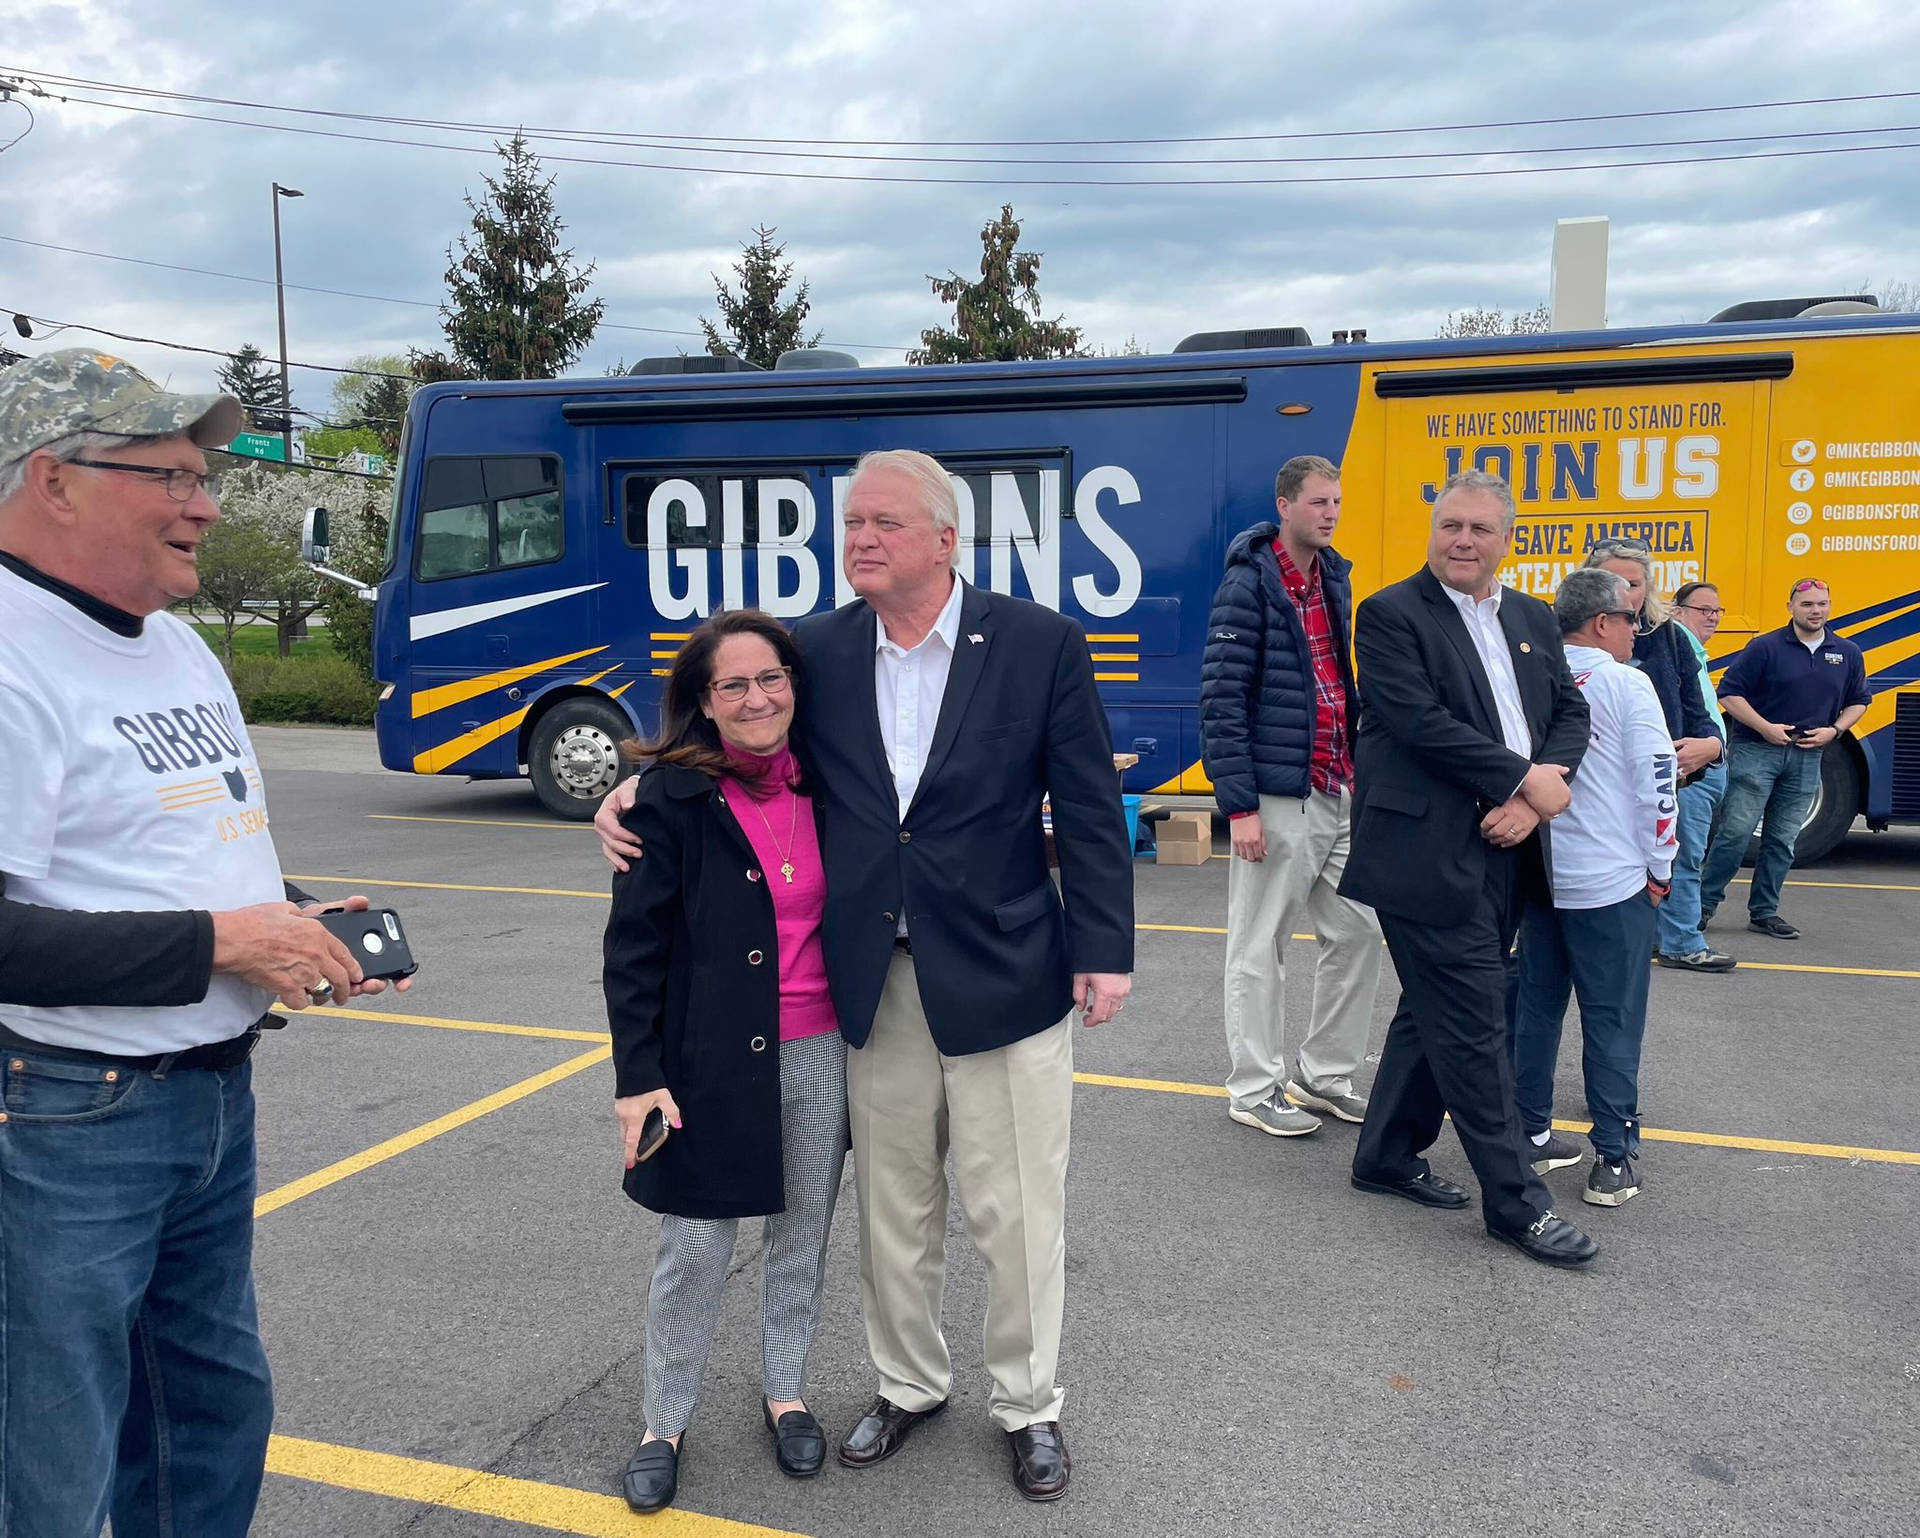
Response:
column 1835, row 805
column 573, row 756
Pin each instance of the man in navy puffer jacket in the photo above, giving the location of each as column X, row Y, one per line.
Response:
column 1277, row 714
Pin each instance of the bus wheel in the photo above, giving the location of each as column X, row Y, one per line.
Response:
column 574, row 755
column 1835, row 805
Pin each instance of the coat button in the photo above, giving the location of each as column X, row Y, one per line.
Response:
column 905, row 836
column 753, row 958
column 753, row 875
column 758, row 1044
column 890, row 918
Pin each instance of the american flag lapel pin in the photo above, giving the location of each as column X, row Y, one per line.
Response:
column 977, row 639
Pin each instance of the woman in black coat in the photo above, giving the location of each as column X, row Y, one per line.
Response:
column 724, row 1033
column 1664, row 655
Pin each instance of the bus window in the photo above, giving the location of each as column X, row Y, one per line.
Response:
column 486, row 514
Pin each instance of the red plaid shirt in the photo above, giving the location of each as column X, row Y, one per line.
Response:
column 1332, row 766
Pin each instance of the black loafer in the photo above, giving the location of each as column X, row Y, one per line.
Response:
column 879, row 1434
column 1551, row 1240
column 1041, row 1466
column 799, row 1445
column 1426, row 1188
column 653, row 1476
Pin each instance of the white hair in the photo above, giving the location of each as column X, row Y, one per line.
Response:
column 13, row 476
column 934, row 484
column 1482, row 481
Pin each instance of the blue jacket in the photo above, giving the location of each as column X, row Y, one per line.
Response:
column 1256, row 677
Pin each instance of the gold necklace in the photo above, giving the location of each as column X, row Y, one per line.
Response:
column 793, row 826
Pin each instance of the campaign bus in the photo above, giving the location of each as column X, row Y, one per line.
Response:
column 553, row 542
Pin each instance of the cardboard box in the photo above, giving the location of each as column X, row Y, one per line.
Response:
column 1183, row 838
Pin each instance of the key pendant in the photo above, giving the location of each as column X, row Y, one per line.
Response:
column 786, row 869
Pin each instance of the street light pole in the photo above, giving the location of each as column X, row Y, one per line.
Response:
column 280, row 298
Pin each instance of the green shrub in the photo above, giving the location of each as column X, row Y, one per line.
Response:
column 322, row 689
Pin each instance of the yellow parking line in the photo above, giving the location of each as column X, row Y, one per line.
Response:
column 272, row 1201
column 1797, row 966
column 555, row 1508
column 555, row 826
column 546, row 1032
column 452, row 886
column 1651, row 1134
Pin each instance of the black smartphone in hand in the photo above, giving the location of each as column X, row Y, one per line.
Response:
column 653, row 1133
column 375, row 938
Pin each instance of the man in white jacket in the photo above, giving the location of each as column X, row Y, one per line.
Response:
column 1612, row 861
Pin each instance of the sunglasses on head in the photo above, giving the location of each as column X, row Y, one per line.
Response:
column 1806, row 584
column 1628, row 546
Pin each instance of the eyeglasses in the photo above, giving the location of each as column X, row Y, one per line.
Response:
column 180, row 484
column 773, row 681
column 1699, row 608
column 1807, row 582
column 1622, row 614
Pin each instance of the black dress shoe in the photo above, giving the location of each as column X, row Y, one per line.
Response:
column 799, row 1445
column 1551, row 1240
column 653, row 1475
column 879, row 1434
column 1426, row 1188
column 1041, row 1466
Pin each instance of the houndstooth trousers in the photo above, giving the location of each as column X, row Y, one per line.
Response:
column 690, row 1273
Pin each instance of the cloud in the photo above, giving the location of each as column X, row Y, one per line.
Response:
column 1153, row 262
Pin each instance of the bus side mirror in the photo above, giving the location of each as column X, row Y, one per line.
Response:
column 315, row 547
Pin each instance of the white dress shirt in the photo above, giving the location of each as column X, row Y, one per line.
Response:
column 1490, row 641
column 908, row 686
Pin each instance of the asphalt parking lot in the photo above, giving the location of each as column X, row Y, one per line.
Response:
column 453, row 1286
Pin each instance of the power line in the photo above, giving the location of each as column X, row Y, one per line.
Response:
column 1041, row 181
column 723, row 139
column 342, row 293
column 211, row 352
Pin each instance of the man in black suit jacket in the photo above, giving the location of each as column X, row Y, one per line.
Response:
column 1471, row 726
column 935, row 717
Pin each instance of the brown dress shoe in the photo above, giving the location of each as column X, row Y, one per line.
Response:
column 1041, row 1466
column 880, row 1433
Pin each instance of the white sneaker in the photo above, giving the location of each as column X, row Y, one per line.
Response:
column 1271, row 1116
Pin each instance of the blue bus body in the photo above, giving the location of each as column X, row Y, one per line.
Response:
column 556, row 540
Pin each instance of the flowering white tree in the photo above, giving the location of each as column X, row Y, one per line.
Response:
column 250, row 565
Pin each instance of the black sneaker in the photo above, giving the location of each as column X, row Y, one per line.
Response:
column 1774, row 925
column 1608, row 1185
column 1556, row 1153
column 1705, row 959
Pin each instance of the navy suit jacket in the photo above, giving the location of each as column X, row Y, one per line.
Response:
column 994, row 947
column 1430, row 760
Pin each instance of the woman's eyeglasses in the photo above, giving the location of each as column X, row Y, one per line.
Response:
column 1711, row 612
column 773, row 681
column 180, row 484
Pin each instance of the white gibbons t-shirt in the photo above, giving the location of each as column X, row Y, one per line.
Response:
column 1622, row 823
column 127, row 783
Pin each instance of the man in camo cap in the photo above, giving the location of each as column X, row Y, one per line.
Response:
column 145, row 930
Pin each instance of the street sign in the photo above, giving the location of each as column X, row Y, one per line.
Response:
column 259, row 446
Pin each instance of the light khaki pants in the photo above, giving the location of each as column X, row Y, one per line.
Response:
column 1005, row 1115
column 1298, row 882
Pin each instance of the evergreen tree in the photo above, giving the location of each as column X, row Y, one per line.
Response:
column 373, row 401
column 759, row 326
column 998, row 318
column 514, row 305
column 254, row 380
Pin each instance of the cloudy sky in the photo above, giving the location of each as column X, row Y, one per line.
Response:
column 1274, row 88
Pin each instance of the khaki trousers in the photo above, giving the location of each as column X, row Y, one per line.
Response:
column 1299, row 880
column 1005, row 1115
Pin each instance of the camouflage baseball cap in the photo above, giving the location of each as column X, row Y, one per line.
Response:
column 56, row 394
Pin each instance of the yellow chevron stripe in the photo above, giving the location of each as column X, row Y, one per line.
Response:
column 668, row 654
column 1116, row 678
column 1112, row 640
column 435, row 759
column 620, row 691
column 594, row 678
column 1116, row 656
column 427, row 701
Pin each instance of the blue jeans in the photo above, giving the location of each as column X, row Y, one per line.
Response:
column 1763, row 782
column 133, row 1382
column 1600, row 956
column 1679, row 915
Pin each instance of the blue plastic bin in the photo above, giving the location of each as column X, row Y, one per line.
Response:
column 1132, row 806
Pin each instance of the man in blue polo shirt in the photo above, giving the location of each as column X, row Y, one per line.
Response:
column 1787, row 695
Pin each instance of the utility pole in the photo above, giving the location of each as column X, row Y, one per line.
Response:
column 280, row 298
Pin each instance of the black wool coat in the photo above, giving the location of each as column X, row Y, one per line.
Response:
column 692, row 978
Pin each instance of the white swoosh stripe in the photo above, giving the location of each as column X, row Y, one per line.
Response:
column 442, row 620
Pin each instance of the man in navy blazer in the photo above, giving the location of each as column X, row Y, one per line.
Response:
column 935, row 718
column 1471, row 726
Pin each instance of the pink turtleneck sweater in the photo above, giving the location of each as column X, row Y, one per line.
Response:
column 763, row 801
